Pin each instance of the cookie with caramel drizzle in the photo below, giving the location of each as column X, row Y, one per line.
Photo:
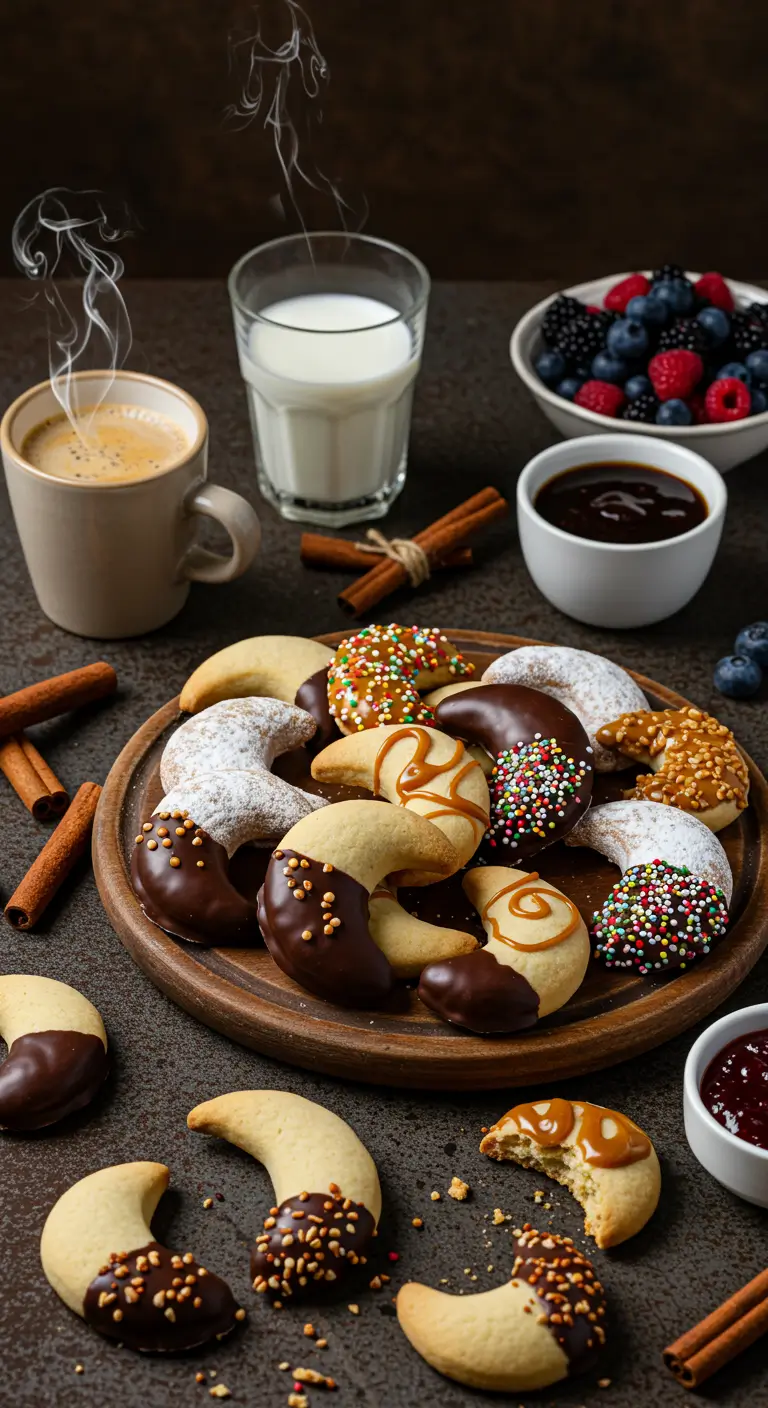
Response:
column 694, row 760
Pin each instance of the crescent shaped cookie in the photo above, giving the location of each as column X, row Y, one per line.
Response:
column 418, row 768
column 671, row 904
column 313, row 905
column 408, row 943
column 275, row 666
column 535, row 958
column 694, row 760
column 593, row 688
column 609, row 1165
column 99, row 1256
column 57, row 1052
column 325, row 1182
column 220, row 795
column 375, row 676
column 542, row 1325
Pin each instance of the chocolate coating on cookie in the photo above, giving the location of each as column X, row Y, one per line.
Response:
column 310, row 1244
column 312, row 696
column 542, row 779
column 569, row 1293
column 475, row 991
column 154, row 1299
column 314, row 919
column 48, row 1075
column 181, row 876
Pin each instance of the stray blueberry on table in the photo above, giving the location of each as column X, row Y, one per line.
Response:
column 674, row 412
column 737, row 677
column 753, row 642
column 550, row 366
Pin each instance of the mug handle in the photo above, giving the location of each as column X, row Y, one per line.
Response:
column 241, row 522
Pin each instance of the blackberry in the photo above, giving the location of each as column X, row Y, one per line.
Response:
column 560, row 312
column 668, row 271
column 758, row 312
column 644, row 408
column 582, row 337
column 747, row 334
column 685, row 333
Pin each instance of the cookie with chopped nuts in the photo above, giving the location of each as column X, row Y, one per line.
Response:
column 601, row 1156
column 542, row 1325
column 313, row 1237
column 99, row 1255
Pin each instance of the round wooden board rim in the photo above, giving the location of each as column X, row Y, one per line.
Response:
column 458, row 1060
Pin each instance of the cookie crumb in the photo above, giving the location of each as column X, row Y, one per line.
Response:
column 298, row 1400
column 355, row 1309
column 604, row 1383
column 199, row 1377
column 207, row 1202
column 459, row 1190
column 79, row 1369
column 284, row 1365
column 416, row 1222
column 499, row 1217
column 310, row 1331
column 219, row 1391
column 489, row 1268
column 375, row 1284
column 321, row 1344
column 435, row 1196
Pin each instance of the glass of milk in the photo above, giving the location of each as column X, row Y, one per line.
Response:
column 329, row 331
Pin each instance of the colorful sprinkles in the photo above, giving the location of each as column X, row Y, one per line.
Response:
column 533, row 784
column 659, row 917
column 374, row 677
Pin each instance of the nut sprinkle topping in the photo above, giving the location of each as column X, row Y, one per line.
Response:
column 311, row 1243
column 141, row 1298
column 571, row 1297
column 702, row 766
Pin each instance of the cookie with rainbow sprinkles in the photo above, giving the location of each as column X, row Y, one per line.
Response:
column 376, row 675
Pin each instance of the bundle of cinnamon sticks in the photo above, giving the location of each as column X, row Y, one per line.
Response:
column 443, row 543
column 39, row 788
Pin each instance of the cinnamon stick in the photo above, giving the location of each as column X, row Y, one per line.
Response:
column 339, row 554
column 55, row 696
column 436, row 540
column 733, row 1327
column 33, row 780
column 60, row 852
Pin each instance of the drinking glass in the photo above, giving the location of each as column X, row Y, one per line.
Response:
column 329, row 330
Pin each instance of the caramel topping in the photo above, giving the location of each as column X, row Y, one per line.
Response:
column 539, row 908
column 416, row 776
column 701, row 767
column 553, row 1124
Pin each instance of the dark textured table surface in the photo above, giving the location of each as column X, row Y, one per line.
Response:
column 473, row 425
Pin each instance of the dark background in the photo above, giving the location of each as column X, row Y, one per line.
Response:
column 496, row 138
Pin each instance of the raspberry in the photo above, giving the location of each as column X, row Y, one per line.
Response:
column 698, row 409
column 600, row 396
column 727, row 399
column 687, row 333
column 675, row 374
column 617, row 298
column 642, row 409
column 560, row 311
column 582, row 338
column 715, row 290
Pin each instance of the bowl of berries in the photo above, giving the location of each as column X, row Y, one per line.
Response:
column 668, row 354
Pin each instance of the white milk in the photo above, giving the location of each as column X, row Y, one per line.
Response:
column 330, row 395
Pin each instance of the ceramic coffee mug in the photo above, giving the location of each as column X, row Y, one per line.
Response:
column 115, row 560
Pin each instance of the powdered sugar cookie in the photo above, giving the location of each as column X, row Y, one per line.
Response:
column 327, row 1194
column 535, row 958
column 57, row 1051
column 99, row 1256
column 608, row 1164
column 671, row 904
column 538, row 1328
column 273, row 666
column 593, row 688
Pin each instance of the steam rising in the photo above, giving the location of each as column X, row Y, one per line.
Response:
column 70, row 257
column 267, row 75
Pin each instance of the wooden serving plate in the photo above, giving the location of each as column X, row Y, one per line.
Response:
column 243, row 994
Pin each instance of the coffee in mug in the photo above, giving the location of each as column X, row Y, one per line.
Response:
column 111, row 443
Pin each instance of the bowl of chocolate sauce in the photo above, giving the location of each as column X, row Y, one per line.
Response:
column 725, row 1102
column 615, row 538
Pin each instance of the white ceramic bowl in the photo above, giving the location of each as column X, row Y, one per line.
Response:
column 723, row 445
column 739, row 1166
column 618, row 585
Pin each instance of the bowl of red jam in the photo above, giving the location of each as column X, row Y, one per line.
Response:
column 726, row 1102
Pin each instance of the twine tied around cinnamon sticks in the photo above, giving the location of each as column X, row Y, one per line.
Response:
column 406, row 551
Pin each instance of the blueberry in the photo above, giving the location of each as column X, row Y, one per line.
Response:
column 637, row 386
column 716, row 324
column 674, row 412
column 657, row 310
column 759, row 403
column 737, row 676
column 757, row 363
column 550, row 366
column 737, row 370
column 676, row 293
column 606, row 367
column 753, row 642
column 569, row 386
column 627, row 338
